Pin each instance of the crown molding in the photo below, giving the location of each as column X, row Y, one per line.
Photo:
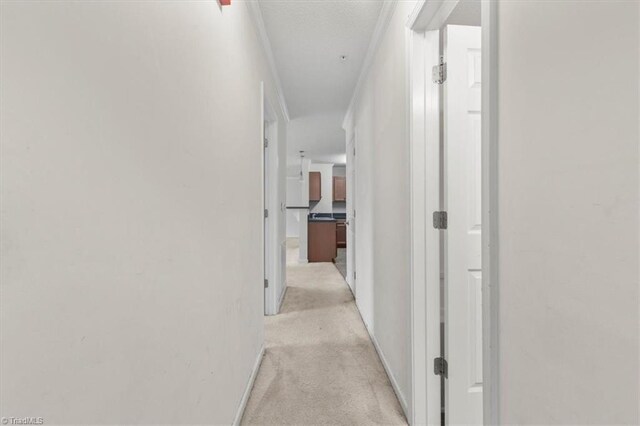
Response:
column 415, row 14
column 431, row 15
column 261, row 31
column 381, row 27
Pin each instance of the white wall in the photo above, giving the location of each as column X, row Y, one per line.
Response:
column 131, row 202
column 294, row 196
column 382, row 202
column 568, row 211
column 325, row 205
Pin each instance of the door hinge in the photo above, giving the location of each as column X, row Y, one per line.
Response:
column 266, row 143
column 439, row 72
column 266, row 213
column 440, row 220
column 440, row 367
column 354, row 275
column 266, row 283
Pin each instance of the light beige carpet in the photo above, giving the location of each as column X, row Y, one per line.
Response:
column 320, row 367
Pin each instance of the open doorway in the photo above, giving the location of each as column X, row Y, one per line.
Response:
column 351, row 215
column 273, row 212
column 452, row 148
column 317, row 191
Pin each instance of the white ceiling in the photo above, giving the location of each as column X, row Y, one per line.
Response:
column 307, row 39
column 320, row 136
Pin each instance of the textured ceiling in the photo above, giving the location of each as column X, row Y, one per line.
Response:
column 307, row 38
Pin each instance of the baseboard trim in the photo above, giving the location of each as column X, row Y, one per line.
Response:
column 283, row 295
column 249, row 387
column 392, row 379
column 387, row 369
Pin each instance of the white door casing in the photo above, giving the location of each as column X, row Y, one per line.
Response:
column 351, row 208
column 273, row 244
column 267, row 229
column 463, row 247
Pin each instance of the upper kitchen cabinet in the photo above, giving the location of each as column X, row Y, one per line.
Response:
column 339, row 188
column 315, row 186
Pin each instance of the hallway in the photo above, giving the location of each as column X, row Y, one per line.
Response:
column 320, row 366
column 318, row 213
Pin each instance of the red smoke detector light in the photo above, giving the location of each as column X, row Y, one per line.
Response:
column 225, row 2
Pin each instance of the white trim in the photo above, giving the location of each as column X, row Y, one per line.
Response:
column 490, row 212
column 432, row 15
column 424, row 142
column 432, row 203
column 417, row 181
column 381, row 27
column 283, row 293
column 423, row 100
column 387, row 369
column 269, row 112
column 415, row 14
column 247, row 390
column 350, row 207
column 265, row 202
column 394, row 384
column 347, row 123
column 256, row 14
column 273, row 260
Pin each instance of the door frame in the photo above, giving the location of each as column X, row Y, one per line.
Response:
column 422, row 52
column 271, row 252
column 351, row 169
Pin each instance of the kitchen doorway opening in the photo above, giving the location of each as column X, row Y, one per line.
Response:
column 318, row 194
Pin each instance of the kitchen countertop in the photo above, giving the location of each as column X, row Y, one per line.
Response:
column 326, row 217
column 321, row 219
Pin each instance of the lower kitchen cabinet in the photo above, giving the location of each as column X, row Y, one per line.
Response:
column 322, row 241
column 341, row 233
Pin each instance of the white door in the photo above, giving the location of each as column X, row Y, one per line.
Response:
column 351, row 212
column 463, row 273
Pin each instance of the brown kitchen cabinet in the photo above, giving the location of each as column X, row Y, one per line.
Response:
column 315, row 186
column 339, row 188
column 321, row 241
column 341, row 233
